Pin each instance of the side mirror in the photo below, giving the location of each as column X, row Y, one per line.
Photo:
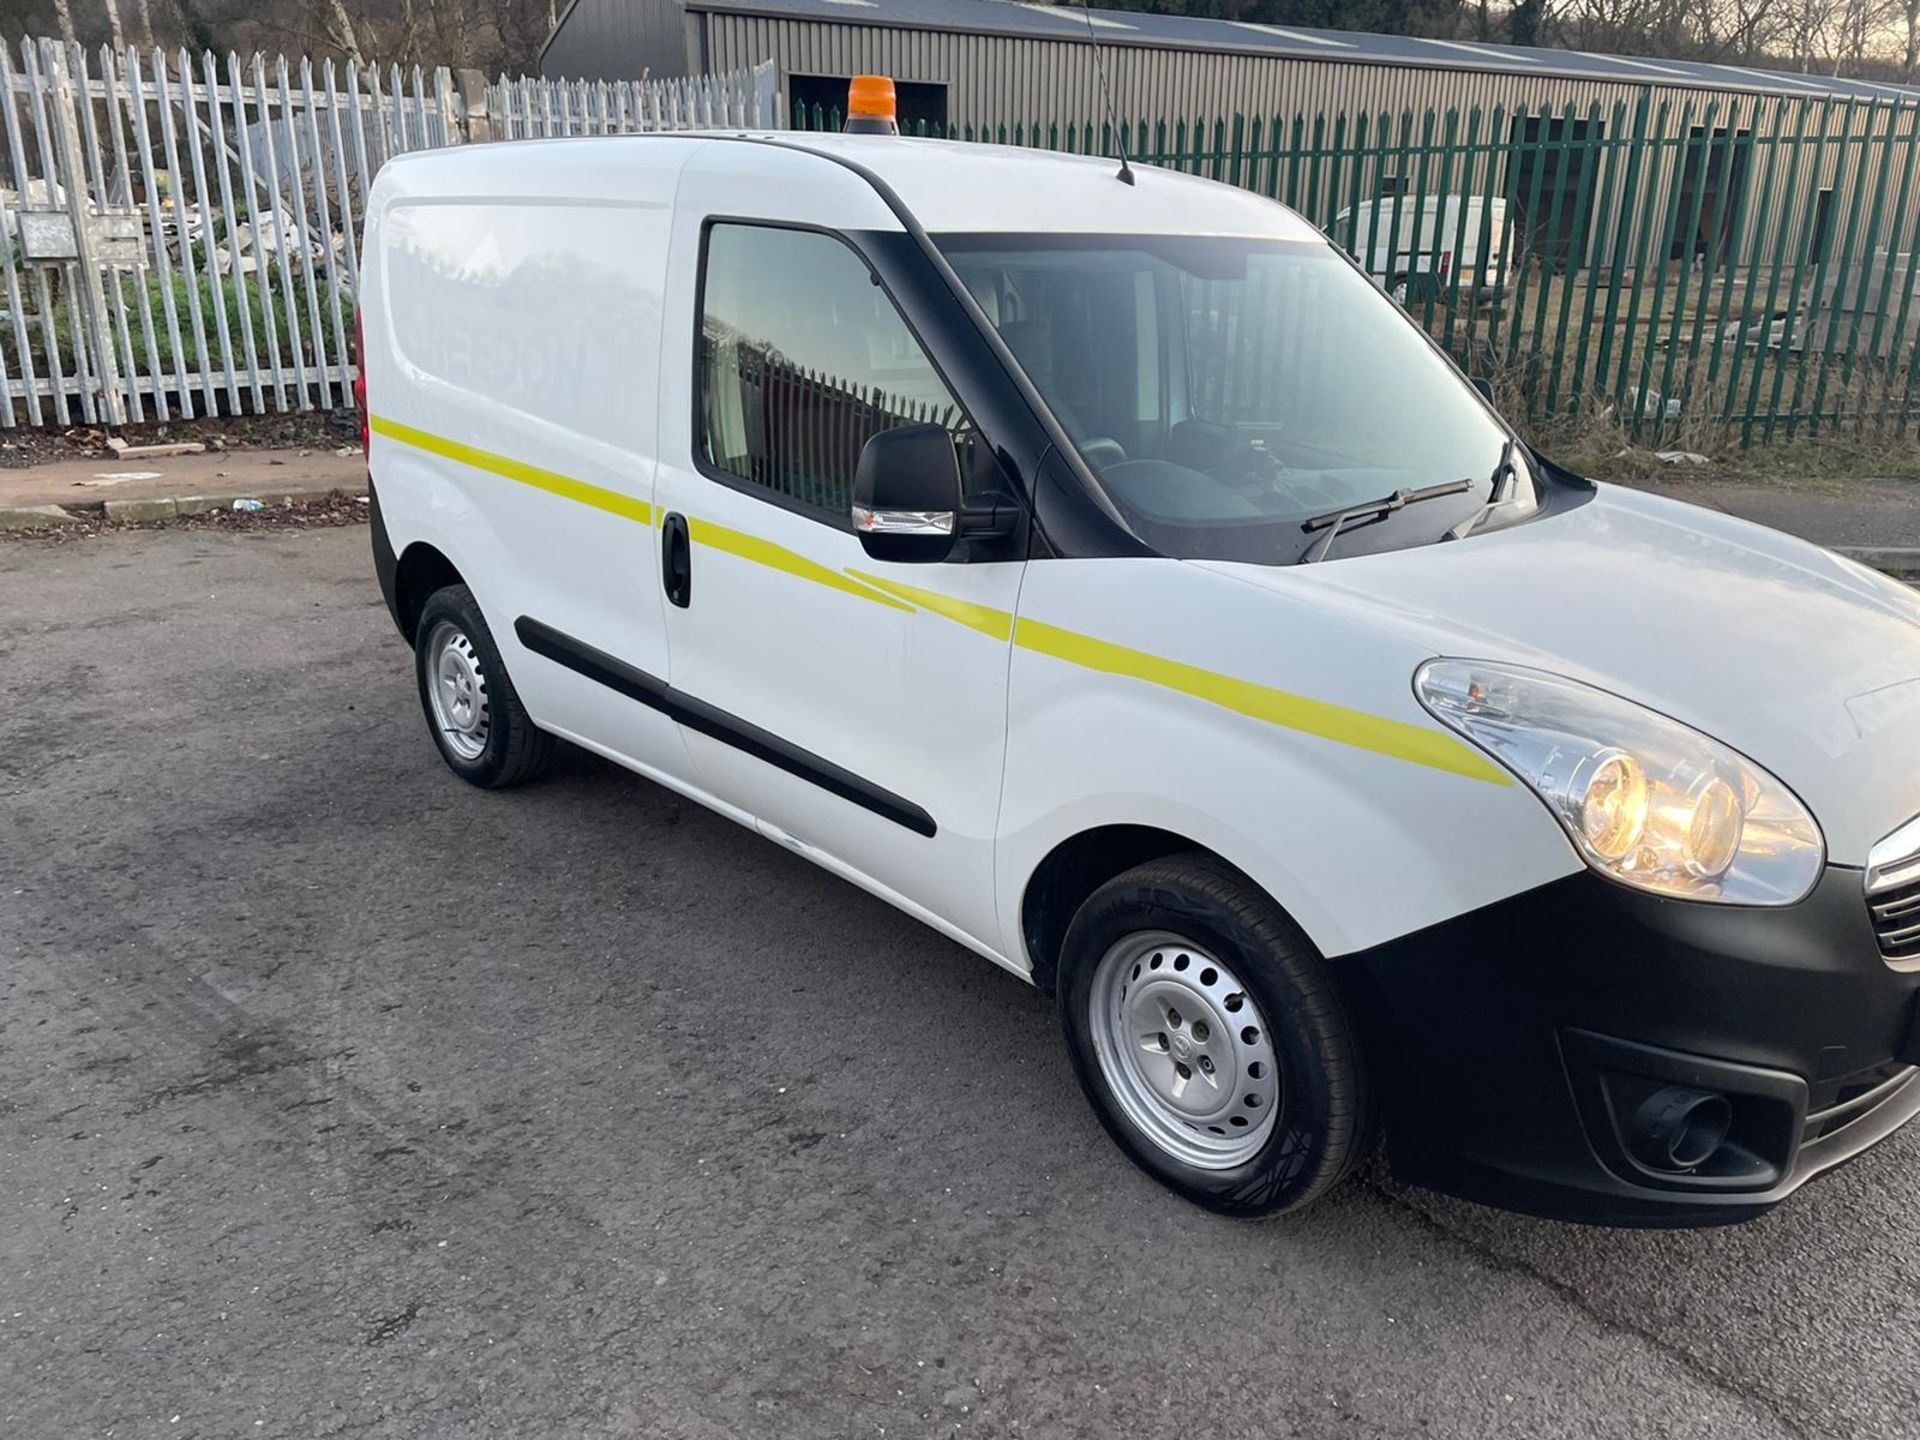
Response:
column 906, row 494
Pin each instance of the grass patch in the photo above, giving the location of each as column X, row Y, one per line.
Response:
column 1860, row 435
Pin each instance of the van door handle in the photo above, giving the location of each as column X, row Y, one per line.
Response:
column 676, row 560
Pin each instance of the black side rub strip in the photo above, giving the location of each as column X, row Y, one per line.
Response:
column 709, row 720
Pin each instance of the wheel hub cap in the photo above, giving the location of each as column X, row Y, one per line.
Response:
column 457, row 688
column 1184, row 1050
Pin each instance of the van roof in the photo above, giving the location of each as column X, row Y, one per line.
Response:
column 947, row 185
column 955, row 185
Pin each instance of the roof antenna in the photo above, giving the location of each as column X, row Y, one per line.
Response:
column 1099, row 63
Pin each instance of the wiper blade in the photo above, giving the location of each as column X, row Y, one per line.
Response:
column 1334, row 521
column 1499, row 488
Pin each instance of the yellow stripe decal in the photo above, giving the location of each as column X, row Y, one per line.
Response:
column 778, row 557
column 995, row 624
column 1396, row 738
column 612, row 501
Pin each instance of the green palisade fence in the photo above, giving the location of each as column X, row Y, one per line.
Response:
column 1708, row 271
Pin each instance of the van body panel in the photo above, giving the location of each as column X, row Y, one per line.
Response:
column 511, row 315
column 1359, row 846
column 1804, row 662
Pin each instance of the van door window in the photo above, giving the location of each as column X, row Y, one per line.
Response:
column 802, row 357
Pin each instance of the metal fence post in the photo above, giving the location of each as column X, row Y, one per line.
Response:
column 475, row 122
column 93, row 298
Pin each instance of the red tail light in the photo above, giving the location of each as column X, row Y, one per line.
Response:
column 360, row 382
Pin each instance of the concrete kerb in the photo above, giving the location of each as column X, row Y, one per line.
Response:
column 35, row 517
column 1901, row 562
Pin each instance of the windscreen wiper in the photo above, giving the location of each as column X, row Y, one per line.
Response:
column 1334, row 521
column 1499, row 491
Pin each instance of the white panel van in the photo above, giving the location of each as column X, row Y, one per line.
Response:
column 1416, row 247
column 1109, row 575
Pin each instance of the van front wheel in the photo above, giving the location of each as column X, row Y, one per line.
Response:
column 477, row 720
column 1213, row 1046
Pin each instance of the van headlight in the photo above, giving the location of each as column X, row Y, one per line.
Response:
column 1648, row 801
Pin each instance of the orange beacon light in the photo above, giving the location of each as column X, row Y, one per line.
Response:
column 870, row 107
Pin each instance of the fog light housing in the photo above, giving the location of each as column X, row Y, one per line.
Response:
column 1679, row 1128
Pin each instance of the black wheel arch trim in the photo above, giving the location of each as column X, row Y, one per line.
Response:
column 386, row 564
column 649, row 690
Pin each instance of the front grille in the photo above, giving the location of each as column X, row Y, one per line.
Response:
column 1893, row 892
column 1896, row 921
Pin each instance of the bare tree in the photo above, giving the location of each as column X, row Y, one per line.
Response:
column 1807, row 28
column 339, row 29
column 63, row 16
column 1606, row 24
column 113, row 26
column 1738, row 29
column 145, row 12
column 1857, row 28
column 1910, row 13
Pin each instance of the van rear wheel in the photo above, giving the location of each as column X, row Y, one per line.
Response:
column 1210, row 1040
column 483, row 732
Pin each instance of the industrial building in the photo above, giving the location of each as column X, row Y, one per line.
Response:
column 976, row 63
column 1628, row 216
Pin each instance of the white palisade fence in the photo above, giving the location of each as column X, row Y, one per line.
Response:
column 179, row 234
column 532, row 109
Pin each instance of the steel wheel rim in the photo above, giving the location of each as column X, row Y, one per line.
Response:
column 1184, row 1049
column 457, row 691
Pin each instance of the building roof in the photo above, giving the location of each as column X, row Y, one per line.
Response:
column 1028, row 19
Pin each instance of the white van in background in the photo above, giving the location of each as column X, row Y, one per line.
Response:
column 1110, row 577
column 1415, row 249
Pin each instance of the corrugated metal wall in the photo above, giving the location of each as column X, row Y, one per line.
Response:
column 1000, row 80
column 619, row 40
column 995, row 78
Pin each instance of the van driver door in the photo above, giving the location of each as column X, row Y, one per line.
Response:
column 855, row 707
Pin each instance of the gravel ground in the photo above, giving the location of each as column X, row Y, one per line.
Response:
column 339, row 1098
column 1857, row 512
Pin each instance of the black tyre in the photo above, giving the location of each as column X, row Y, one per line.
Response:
column 1208, row 1036
column 472, row 710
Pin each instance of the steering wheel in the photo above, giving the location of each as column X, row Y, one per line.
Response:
column 1248, row 467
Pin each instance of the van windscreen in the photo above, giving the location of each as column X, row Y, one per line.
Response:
column 1225, row 390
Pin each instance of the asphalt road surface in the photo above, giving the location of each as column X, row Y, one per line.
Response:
column 337, row 1098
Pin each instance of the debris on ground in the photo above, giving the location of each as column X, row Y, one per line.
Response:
column 160, row 452
column 337, row 508
column 1681, row 457
column 1653, row 405
column 311, row 429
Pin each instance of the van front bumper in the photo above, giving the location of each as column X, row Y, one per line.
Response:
column 1513, row 1045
